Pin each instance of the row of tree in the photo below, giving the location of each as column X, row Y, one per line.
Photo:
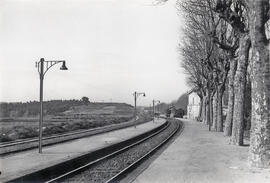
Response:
column 226, row 47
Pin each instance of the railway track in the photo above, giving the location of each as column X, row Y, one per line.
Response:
column 110, row 164
column 23, row 144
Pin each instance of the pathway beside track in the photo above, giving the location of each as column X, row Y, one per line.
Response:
column 25, row 162
column 200, row 156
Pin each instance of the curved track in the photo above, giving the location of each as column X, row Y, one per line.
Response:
column 123, row 173
column 117, row 164
column 108, row 164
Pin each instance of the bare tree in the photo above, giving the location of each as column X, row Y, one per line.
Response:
column 234, row 12
column 250, row 18
column 260, row 82
column 198, row 52
column 218, row 46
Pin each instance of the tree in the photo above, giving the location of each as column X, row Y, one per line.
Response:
column 250, row 19
column 85, row 100
column 235, row 13
column 229, row 117
column 260, row 82
column 210, row 39
column 249, row 22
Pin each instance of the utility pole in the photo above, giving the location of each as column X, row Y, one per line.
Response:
column 154, row 109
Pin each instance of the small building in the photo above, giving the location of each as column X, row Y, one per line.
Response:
column 193, row 107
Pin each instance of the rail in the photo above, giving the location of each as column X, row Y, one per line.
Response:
column 24, row 144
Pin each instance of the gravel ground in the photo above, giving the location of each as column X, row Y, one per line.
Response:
column 108, row 168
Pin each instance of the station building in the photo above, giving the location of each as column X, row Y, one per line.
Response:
column 193, row 107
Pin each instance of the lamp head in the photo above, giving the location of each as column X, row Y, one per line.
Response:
column 63, row 67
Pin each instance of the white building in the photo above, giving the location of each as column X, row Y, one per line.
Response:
column 193, row 107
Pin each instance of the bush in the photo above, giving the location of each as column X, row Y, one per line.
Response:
column 5, row 138
column 54, row 130
column 18, row 132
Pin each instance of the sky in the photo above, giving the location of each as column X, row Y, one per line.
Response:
column 111, row 47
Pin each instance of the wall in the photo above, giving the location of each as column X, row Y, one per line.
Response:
column 193, row 107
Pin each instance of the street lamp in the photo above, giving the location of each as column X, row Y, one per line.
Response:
column 136, row 95
column 154, row 109
column 158, row 109
column 42, row 72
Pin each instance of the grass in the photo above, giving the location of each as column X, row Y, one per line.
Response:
column 76, row 118
column 22, row 132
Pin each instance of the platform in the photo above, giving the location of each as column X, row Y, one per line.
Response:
column 25, row 162
column 200, row 156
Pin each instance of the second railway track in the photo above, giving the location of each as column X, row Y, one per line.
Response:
column 24, row 144
column 115, row 165
column 111, row 163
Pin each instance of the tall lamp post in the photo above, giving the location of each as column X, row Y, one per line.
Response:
column 154, row 109
column 136, row 96
column 42, row 71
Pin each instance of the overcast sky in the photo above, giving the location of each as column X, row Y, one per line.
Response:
column 112, row 48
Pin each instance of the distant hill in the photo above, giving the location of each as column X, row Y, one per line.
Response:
column 58, row 107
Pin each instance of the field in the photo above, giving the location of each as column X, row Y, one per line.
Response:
column 77, row 117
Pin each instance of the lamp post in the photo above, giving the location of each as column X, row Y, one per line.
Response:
column 136, row 95
column 158, row 109
column 154, row 109
column 42, row 72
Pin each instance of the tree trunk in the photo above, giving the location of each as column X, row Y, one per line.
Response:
column 247, row 117
column 259, row 155
column 208, row 109
column 204, row 108
column 239, row 88
column 210, row 112
column 203, row 117
column 214, row 104
column 220, row 108
column 200, row 110
column 207, row 112
column 229, row 117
